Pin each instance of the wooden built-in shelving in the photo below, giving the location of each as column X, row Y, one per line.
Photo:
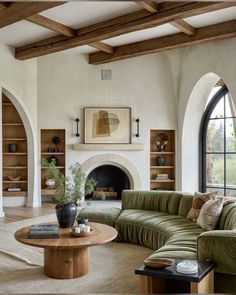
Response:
column 49, row 149
column 14, row 163
column 169, row 165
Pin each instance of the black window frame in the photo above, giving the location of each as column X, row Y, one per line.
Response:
column 221, row 93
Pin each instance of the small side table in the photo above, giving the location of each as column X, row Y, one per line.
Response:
column 169, row 280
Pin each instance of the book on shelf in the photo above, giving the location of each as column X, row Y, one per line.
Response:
column 162, row 176
column 43, row 231
column 14, row 189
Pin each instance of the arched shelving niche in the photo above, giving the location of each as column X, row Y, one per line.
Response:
column 21, row 164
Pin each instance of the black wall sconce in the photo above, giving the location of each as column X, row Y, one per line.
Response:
column 137, row 121
column 77, row 127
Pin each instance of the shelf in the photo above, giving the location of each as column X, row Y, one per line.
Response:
column 14, row 163
column 59, row 167
column 12, row 181
column 162, row 167
column 164, row 180
column 14, row 194
column 12, row 124
column 47, row 192
column 7, row 104
column 15, row 154
column 15, row 139
column 168, row 155
column 109, row 146
column 162, row 153
column 14, row 167
column 52, row 153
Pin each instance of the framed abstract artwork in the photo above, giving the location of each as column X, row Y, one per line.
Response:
column 107, row 125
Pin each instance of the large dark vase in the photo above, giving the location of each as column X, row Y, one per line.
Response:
column 66, row 214
column 12, row 147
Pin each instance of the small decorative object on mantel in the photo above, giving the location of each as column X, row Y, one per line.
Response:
column 161, row 141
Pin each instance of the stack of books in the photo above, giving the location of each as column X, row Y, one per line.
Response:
column 162, row 176
column 43, row 231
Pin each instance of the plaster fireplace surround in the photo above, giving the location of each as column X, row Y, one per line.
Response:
column 111, row 159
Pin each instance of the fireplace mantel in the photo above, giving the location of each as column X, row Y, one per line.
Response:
column 107, row 147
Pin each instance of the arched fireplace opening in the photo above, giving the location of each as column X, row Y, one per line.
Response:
column 111, row 180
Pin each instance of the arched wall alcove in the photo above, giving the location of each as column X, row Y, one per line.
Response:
column 189, row 136
column 115, row 160
column 33, row 199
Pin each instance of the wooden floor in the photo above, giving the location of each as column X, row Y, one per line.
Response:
column 13, row 214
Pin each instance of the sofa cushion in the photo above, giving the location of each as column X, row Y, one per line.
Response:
column 227, row 219
column 199, row 200
column 133, row 227
column 210, row 213
column 160, row 201
column 101, row 215
column 154, row 229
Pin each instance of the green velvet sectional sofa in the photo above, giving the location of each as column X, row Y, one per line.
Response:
column 157, row 220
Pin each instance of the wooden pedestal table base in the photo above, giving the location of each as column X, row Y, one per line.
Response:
column 168, row 280
column 66, row 263
column 67, row 257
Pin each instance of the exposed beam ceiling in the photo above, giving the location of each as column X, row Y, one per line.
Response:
column 179, row 23
column 134, row 21
column 52, row 25
column 102, row 46
column 183, row 26
column 149, row 5
column 209, row 33
column 18, row 11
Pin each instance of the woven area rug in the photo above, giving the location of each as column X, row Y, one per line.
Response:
column 111, row 266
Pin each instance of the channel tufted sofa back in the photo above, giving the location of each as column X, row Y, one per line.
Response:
column 165, row 201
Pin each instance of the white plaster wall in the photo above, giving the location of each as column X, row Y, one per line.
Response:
column 67, row 84
column 217, row 58
column 20, row 80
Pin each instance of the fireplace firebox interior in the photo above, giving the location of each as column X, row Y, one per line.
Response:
column 111, row 180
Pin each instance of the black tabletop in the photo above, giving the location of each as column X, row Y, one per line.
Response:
column 170, row 272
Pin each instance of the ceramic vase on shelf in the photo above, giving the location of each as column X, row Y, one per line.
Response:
column 12, row 147
column 160, row 160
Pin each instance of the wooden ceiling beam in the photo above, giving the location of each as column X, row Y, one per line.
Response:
column 117, row 26
column 3, row 5
column 18, row 11
column 183, row 26
column 64, row 30
column 149, row 5
column 102, row 46
column 52, row 25
column 209, row 33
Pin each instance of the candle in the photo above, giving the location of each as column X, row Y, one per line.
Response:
column 86, row 228
column 81, row 226
column 77, row 230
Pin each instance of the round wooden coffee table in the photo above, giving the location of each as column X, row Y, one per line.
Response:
column 67, row 257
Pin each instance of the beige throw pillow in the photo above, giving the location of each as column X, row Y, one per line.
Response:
column 210, row 213
column 199, row 200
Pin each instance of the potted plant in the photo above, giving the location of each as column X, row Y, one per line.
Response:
column 69, row 191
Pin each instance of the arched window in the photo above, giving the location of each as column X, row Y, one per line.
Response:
column 218, row 144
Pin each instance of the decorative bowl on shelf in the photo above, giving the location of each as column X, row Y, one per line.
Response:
column 14, row 178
